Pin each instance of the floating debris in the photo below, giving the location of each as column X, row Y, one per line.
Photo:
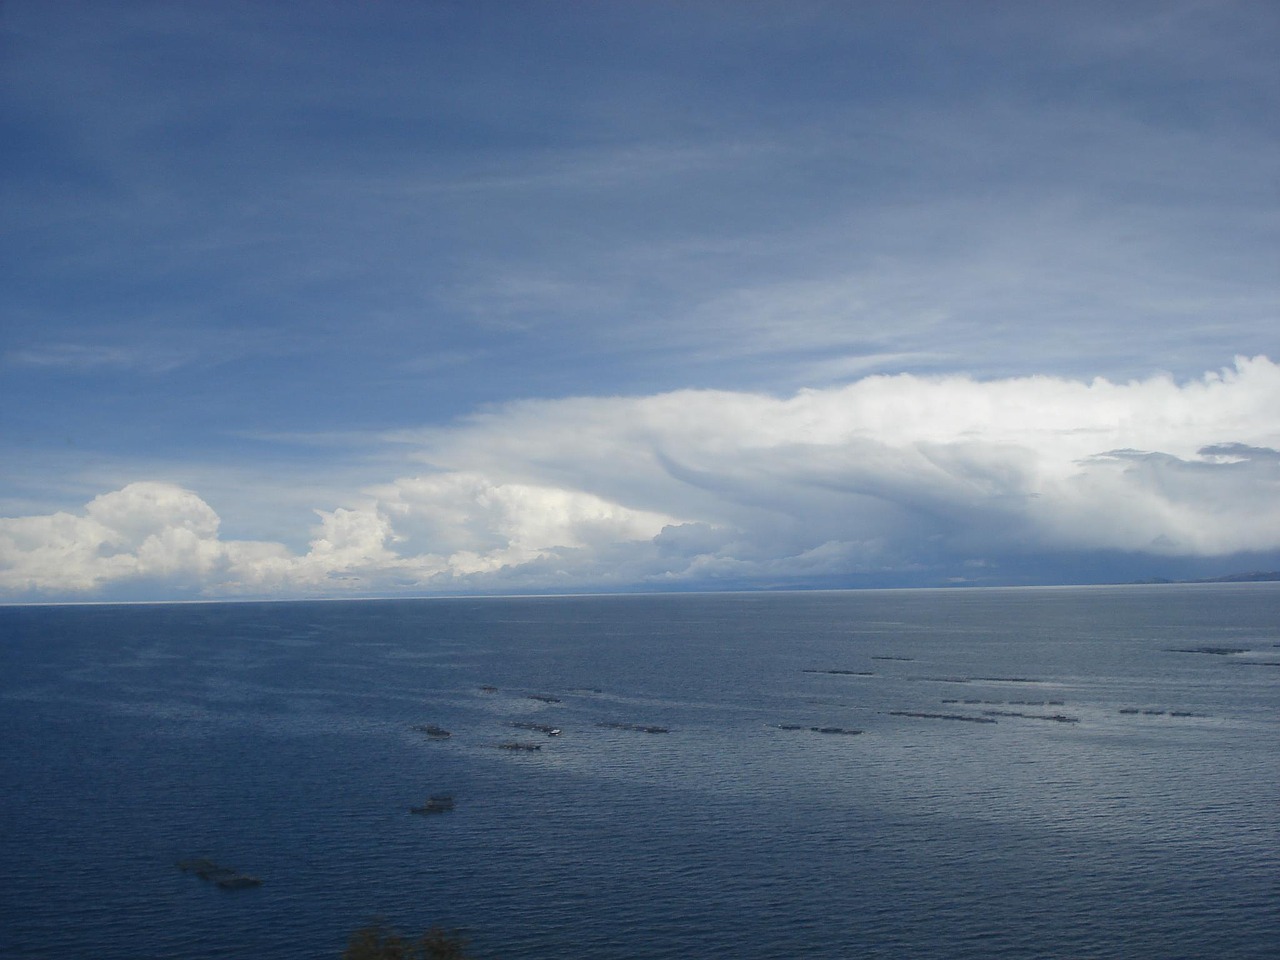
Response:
column 844, row 673
column 546, row 728
column 488, row 688
column 799, row 726
column 1214, row 651
column 941, row 716
column 544, row 698
column 224, row 877
column 1056, row 717
column 887, row 657
column 431, row 730
column 638, row 727
column 519, row 745
column 1008, row 679
column 436, row 803
column 971, row 701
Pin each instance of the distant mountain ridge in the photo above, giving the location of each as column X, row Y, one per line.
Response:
column 1257, row 576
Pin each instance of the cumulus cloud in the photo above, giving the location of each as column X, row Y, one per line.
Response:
column 889, row 473
column 429, row 533
column 142, row 532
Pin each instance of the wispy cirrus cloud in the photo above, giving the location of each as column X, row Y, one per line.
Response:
column 79, row 357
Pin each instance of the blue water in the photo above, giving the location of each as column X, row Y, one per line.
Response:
column 1123, row 804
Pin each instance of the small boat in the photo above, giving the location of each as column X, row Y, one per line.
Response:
column 546, row 728
column 433, row 731
column 437, row 803
column 638, row 727
column 224, row 877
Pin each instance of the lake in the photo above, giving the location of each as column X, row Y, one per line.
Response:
column 970, row 773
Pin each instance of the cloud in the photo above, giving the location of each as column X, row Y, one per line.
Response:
column 430, row 533
column 891, row 474
column 96, row 358
column 146, row 531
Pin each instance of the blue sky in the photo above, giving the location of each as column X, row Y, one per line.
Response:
column 375, row 297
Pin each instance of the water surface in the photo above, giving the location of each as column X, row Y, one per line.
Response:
column 1076, row 772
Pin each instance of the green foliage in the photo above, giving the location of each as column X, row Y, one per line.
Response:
column 378, row 942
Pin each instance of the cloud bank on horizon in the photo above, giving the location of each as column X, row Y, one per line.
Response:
column 890, row 474
column 400, row 298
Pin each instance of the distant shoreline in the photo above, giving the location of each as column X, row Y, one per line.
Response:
column 1271, row 576
column 1255, row 577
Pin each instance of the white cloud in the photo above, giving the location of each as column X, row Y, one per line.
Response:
column 97, row 357
column 698, row 487
column 429, row 532
column 146, row 531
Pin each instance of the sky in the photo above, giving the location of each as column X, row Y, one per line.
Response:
column 380, row 298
